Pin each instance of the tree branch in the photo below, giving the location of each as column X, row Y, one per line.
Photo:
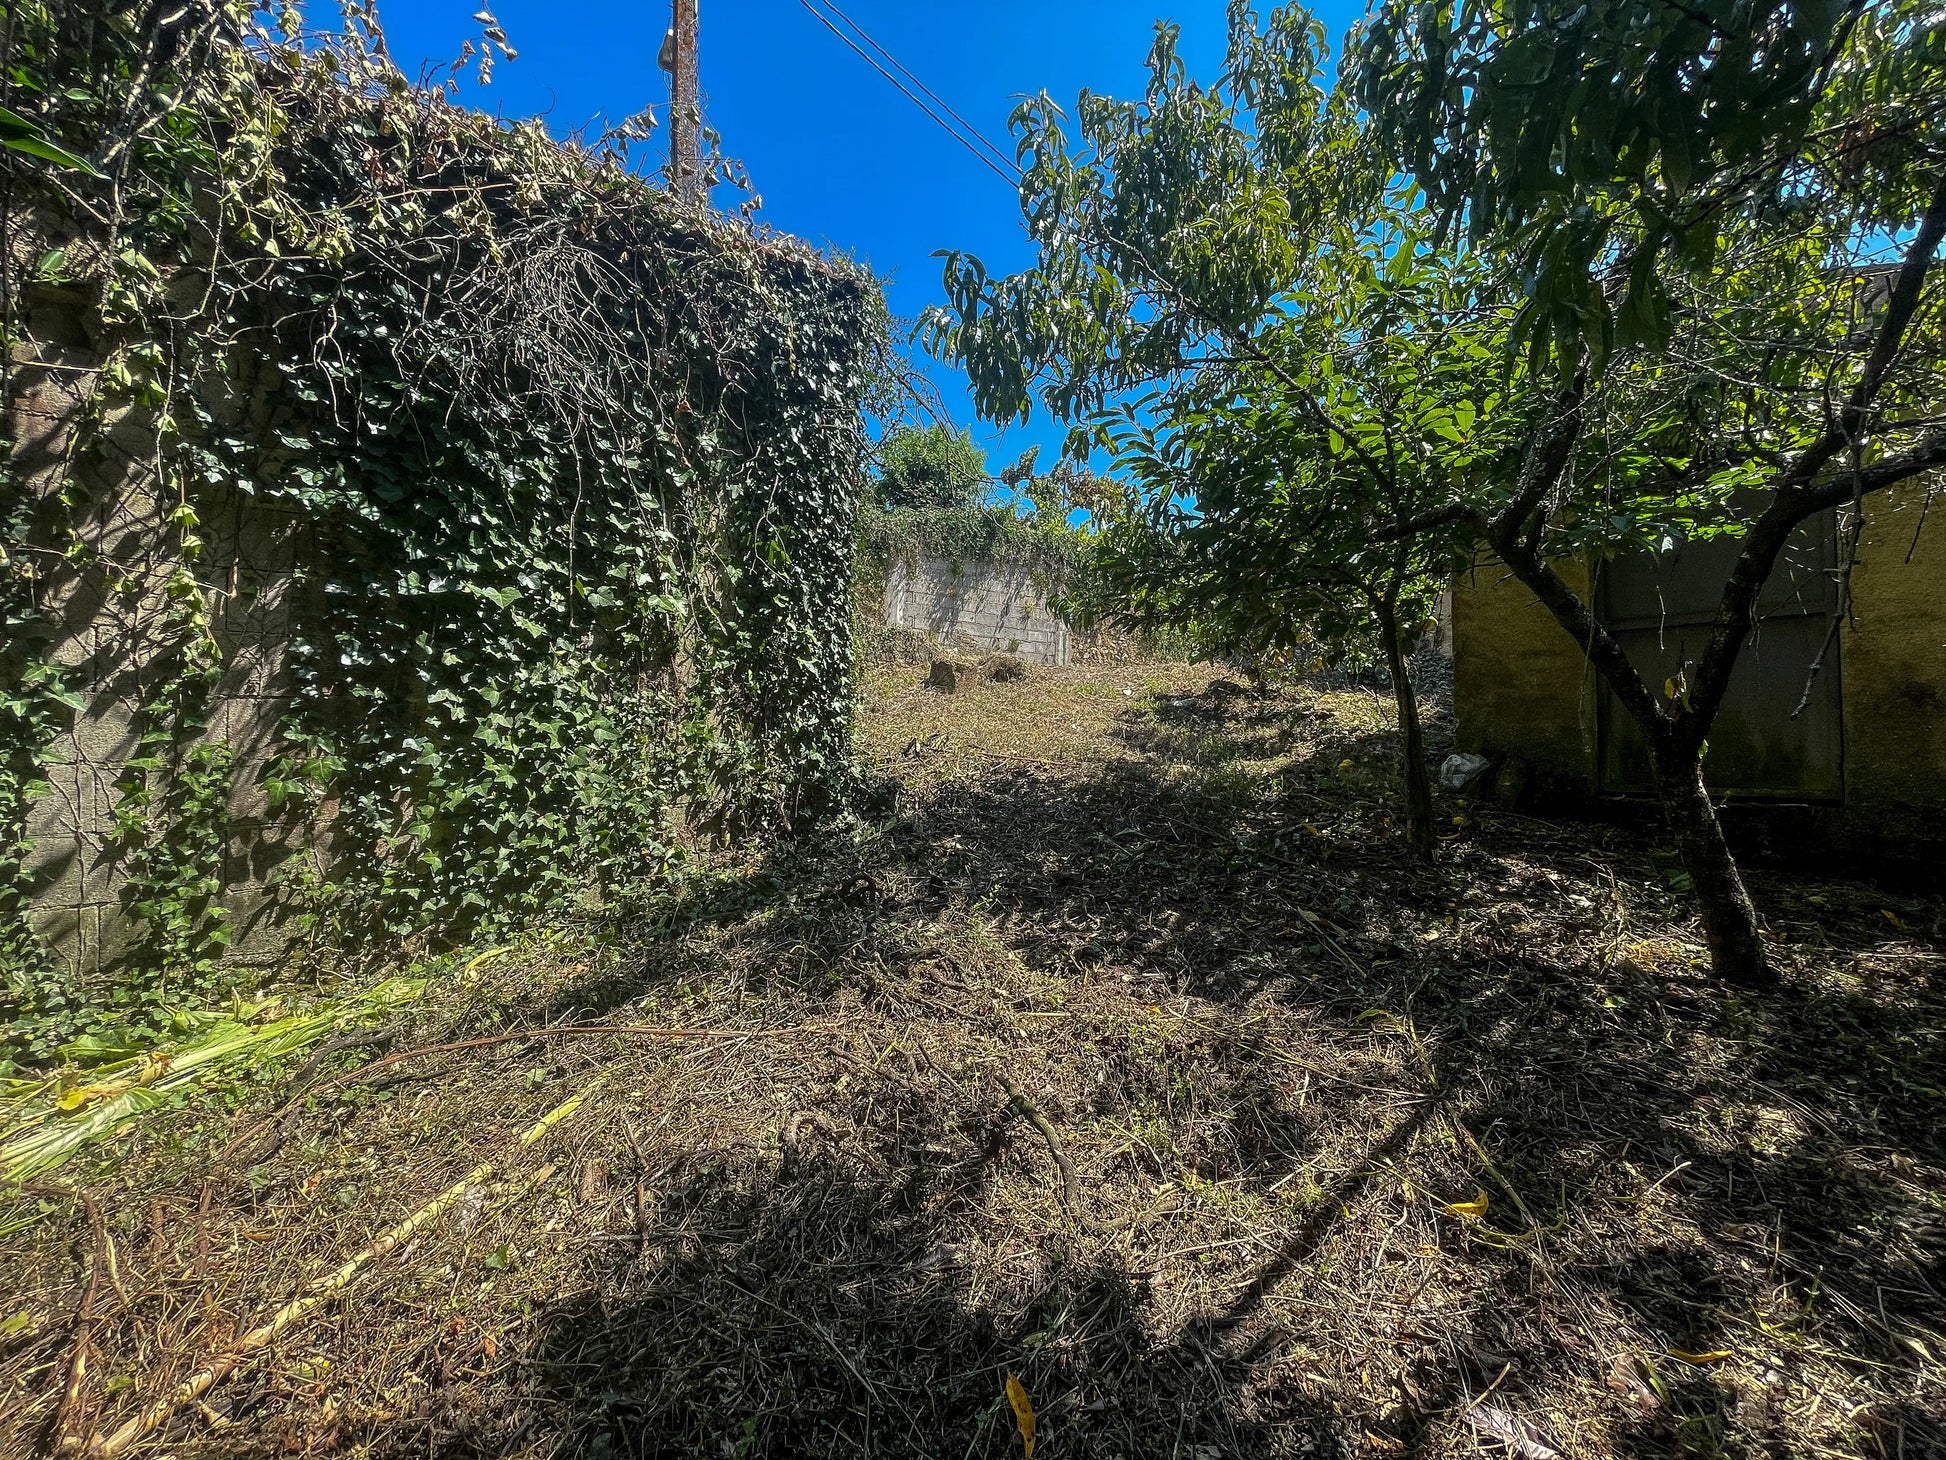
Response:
column 1546, row 460
column 1579, row 619
column 1804, row 490
column 1902, row 304
column 1887, row 472
column 1450, row 515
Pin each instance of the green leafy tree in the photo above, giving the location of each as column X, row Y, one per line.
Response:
column 1693, row 207
column 1299, row 371
column 1729, row 216
column 932, row 467
column 1282, row 506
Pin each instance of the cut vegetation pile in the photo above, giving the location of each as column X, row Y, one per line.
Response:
column 1131, row 1057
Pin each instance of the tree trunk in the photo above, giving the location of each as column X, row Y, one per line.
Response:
column 1729, row 917
column 1418, row 785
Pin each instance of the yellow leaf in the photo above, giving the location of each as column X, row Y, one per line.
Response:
column 1023, row 1413
column 1714, row 1356
column 1474, row 1208
column 1891, row 917
column 485, row 958
column 81, row 1095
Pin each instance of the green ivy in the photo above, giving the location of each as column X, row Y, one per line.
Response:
column 570, row 475
column 970, row 535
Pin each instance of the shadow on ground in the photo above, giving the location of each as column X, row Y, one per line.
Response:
column 1370, row 1158
column 1671, row 1169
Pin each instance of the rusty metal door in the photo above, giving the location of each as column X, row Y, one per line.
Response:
column 1780, row 734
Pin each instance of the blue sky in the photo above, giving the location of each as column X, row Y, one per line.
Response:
column 838, row 156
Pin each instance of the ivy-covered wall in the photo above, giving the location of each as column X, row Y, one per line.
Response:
column 410, row 523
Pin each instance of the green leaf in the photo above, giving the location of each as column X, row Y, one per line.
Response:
column 20, row 135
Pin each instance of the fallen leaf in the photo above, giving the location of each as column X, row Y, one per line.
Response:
column 1516, row 1434
column 1625, row 1377
column 1023, row 1413
column 1474, row 1208
column 1713, row 1356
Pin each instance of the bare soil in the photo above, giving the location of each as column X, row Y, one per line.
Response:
column 1367, row 1158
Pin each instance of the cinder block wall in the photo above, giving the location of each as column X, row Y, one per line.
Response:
column 989, row 607
column 117, row 647
column 1523, row 688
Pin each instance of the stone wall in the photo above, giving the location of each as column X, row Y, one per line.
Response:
column 1523, row 688
column 984, row 606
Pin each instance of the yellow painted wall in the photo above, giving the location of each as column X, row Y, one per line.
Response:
column 1894, row 665
column 1521, row 687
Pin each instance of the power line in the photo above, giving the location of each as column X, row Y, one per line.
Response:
column 971, row 138
column 937, row 100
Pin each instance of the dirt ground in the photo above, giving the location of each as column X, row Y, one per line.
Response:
column 1127, row 1054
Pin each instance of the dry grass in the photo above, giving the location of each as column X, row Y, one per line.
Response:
column 1277, row 1054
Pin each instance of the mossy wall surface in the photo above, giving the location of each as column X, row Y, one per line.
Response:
column 1895, row 671
column 1522, row 689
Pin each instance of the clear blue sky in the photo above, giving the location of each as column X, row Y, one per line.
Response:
column 839, row 157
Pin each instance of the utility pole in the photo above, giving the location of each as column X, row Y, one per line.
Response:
column 685, row 102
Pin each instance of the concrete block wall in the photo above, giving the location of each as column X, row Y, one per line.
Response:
column 109, row 611
column 986, row 607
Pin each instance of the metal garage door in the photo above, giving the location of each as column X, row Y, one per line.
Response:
column 1660, row 606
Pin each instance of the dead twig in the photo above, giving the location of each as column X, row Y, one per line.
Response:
column 790, row 1138
column 326, row 1290
column 522, row 1036
column 1070, row 1183
column 1493, row 1171
column 339, row 1044
column 67, row 1436
column 641, row 1189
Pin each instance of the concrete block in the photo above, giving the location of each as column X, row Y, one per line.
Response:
column 117, row 933
column 66, row 810
column 68, row 933
column 104, row 733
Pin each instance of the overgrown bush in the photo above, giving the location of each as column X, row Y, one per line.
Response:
column 932, row 467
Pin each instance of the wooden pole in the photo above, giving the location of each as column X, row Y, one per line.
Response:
column 685, row 104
